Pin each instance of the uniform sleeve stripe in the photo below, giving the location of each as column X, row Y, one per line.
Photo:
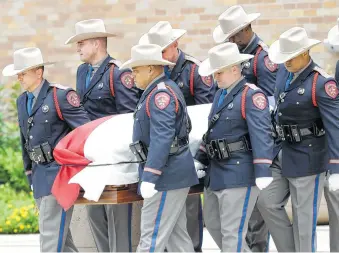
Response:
column 334, row 161
column 267, row 161
column 154, row 171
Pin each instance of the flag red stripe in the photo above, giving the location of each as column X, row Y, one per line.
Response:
column 70, row 152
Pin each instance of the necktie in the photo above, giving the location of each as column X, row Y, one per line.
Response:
column 30, row 98
column 289, row 80
column 222, row 96
column 89, row 75
column 167, row 71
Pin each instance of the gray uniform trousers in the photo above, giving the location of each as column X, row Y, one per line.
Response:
column 305, row 195
column 111, row 227
column 257, row 237
column 195, row 224
column 164, row 223
column 226, row 216
column 332, row 200
column 55, row 235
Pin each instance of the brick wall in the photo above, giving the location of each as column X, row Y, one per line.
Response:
column 48, row 23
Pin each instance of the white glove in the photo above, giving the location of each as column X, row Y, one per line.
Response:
column 333, row 182
column 147, row 190
column 31, row 187
column 199, row 167
column 263, row 182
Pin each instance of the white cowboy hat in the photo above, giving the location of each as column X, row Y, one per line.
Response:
column 144, row 55
column 332, row 41
column 231, row 22
column 222, row 56
column 89, row 29
column 25, row 59
column 162, row 34
column 291, row 43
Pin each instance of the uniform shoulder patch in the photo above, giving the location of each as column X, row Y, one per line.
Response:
column 259, row 101
column 207, row 80
column 161, row 86
column 115, row 62
column 59, row 86
column 263, row 45
column 271, row 66
column 73, row 98
column 321, row 72
column 252, row 86
column 162, row 100
column 192, row 59
column 127, row 80
column 331, row 89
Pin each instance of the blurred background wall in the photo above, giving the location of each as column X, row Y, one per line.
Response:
column 48, row 23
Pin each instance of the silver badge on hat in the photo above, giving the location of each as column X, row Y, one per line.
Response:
column 301, row 91
column 45, row 108
column 100, row 86
column 181, row 84
column 230, row 106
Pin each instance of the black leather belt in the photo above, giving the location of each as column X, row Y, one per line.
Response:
column 294, row 134
column 140, row 150
column 219, row 149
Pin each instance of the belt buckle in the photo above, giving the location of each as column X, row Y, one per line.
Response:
column 247, row 143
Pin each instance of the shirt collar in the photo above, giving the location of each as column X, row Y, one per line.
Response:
column 296, row 74
column 229, row 89
column 37, row 89
column 155, row 80
column 98, row 64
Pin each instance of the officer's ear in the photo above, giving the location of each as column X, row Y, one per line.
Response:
column 175, row 44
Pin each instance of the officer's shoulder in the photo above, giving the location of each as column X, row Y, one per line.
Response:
column 252, row 89
column 115, row 62
column 192, row 59
column 21, row 96
column 264, row 46
column 322, row 73
column 82, row 66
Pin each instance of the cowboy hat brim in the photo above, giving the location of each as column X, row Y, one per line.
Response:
column 205, row 68
column 137, row 63
column 177, row 34
column 9, row 70
column 278, row 57
column 333, row 36
column 86, row 36
column 219, row 36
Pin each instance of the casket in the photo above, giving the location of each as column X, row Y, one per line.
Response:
column 124, row 194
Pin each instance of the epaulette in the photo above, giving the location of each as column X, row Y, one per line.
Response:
column 161, row 86
column 192, row 59
column 263, row 46
column 116, row 62
column 59, row 86
column 321, row 72
column 252, row 86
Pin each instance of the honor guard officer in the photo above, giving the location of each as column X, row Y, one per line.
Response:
column 307, row 151
column 47, row 112
column 196, row 89
column 235, row 26
column 160, row 142
column 331, row 189
column 104, row 90
column 237, row 148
